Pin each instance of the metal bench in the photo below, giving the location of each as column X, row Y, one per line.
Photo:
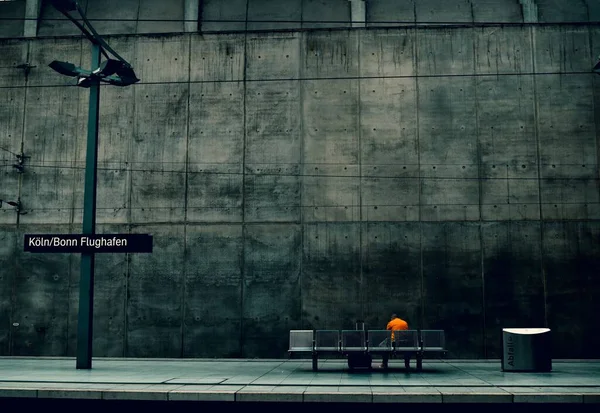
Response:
column 431, row 342
column 359, row 346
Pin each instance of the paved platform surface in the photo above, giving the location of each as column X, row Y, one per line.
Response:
column 293, row 381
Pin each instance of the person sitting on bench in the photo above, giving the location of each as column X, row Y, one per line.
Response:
column 396, row 323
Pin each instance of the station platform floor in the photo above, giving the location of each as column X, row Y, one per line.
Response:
column 183, row 384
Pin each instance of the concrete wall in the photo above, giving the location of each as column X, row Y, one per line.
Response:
column 306, row 180
column 159, row 16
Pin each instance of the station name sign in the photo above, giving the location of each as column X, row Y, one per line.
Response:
column 81, row 243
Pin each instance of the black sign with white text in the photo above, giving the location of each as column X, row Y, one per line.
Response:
column 80, row 243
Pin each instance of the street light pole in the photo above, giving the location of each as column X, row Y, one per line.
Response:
column 116, row 72
column 85, row 321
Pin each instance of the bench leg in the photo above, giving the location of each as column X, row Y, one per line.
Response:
column 384, row 361
column 407, row 360
column 419, row 362
column 315, row 362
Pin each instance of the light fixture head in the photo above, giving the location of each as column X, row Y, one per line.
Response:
column 65, row 68
column 108, row 67
column 11, row 203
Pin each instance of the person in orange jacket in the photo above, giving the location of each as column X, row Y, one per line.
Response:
column 396, row 323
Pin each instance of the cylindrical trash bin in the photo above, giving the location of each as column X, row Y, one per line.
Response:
column 526, row 349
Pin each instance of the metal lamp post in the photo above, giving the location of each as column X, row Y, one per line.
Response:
column 116, row 72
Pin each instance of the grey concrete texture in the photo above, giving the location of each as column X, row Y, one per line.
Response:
column 12, row 13
column 307, row 180
column 268, row 382
column 157, row 16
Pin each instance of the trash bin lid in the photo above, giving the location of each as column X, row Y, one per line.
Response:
column 526, row 330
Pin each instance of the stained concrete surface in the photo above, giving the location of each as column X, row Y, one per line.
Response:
column 267, row 383
column 306, row 180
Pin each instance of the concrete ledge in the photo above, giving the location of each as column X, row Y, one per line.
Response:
column 591, row 398
column 204, row 396
column 269, row 397
column 336, row 394
column 188, row 393
column 407, row 397
column 69, row 394
column 548, row 398
column 477, row 398
column 218, row 393
column 134, row 395
column 17, row 392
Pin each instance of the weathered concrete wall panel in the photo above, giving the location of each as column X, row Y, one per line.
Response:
column 574, row 118
column 432, row 11
column 321, row 164
column 496, row 11
column 512, row 278
column 330, row 121
column 272, row 193
column 216, row 124
column 215, row 153
column 562, row 49
column 325, row 14
column 159, row 153
column 102, row 16
column 13, row 53
column 213, row 291
column 508, row 148
column 447, row 122
column 331, row 280
column 12, row 14
column 569, row 166
column 391, row 266
column 571, row 266
column 331, row 151
column 111, row 276
column 273, row 151
column 387, row 53
column 214, row 195
column 502, row 50
column 390, row 13
column 552, row 11
column 42, row 52
column 154, row 295
column 217, row 58
column 273, row 127
column 452, row 285
column 330, row 193
column 41, row 306
column 8, row 262
column 11, row 133
column 388, row 126
column 135, row 16
column 52, row 129
column 593, row 10
column 219, row 15
column 271, row 301
column 161, row 59
column 448, row 149
column 443, row 51
column 269, row 15
column 157, row 16
column 272, row 57
column 504, row 142
column 330, row 54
